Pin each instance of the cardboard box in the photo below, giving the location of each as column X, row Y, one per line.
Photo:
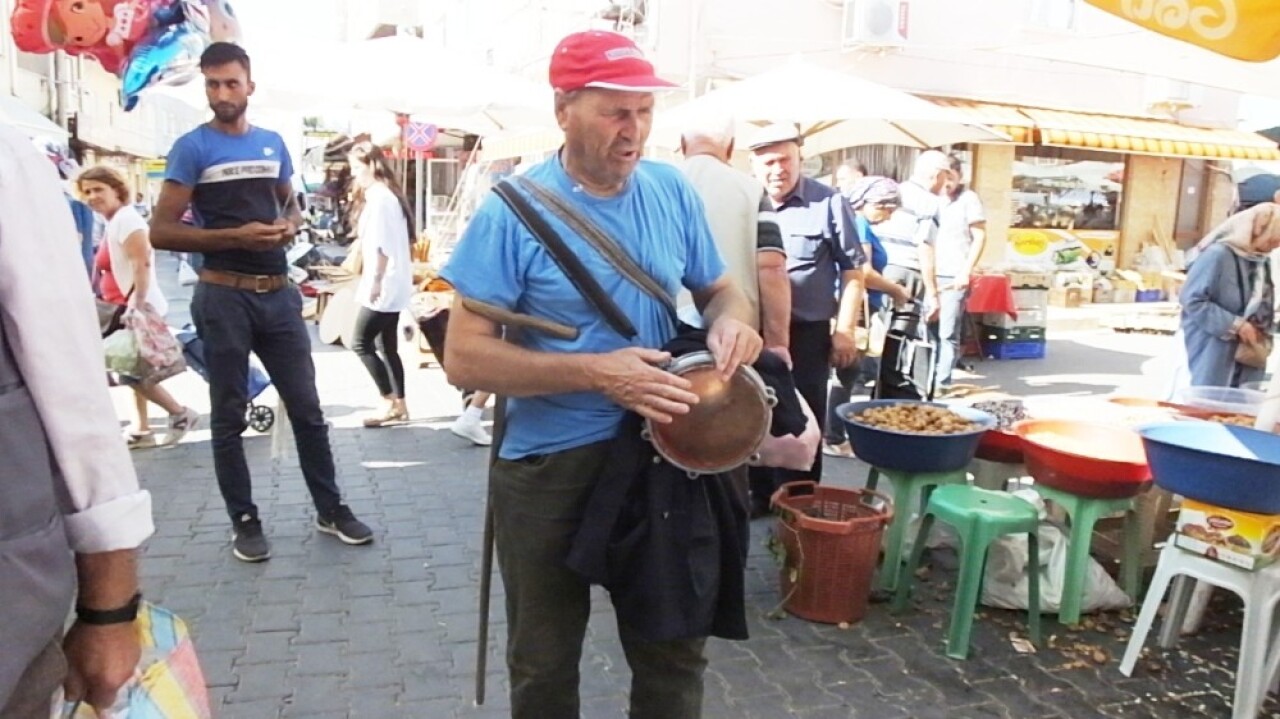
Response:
column 1065, row 297
column 1246, row 540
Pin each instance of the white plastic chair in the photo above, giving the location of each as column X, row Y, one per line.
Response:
column 1260, row 591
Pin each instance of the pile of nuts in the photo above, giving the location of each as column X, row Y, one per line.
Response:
column 916, row 419
column 1006, row 411
column 1239, row 420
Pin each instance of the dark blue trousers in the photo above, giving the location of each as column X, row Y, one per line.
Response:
column 232, row 324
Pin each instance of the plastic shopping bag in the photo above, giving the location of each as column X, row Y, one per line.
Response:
column 168, row 683
column 187, row 274
column 121, row 349
column 1005, row 581
column 159, row 352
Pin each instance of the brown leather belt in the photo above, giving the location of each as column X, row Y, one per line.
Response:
column 239, row 281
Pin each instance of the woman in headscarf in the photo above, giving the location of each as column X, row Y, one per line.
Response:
column 873, row 200
column 1228, row 301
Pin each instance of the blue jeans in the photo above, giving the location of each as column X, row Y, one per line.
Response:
column 232, row 324
column 946, row 333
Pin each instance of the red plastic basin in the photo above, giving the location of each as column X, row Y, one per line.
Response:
column 1091, row 460
column 999, row 445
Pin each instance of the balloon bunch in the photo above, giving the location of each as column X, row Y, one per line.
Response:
column 143, row 42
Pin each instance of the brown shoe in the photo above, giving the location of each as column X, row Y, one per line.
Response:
column 391, row 417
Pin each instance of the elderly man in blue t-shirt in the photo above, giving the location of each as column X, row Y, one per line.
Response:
column 568, row 396
column 235, row 177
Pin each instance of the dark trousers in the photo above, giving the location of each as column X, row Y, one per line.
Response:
column 811, row 366
column 33, row 695
column 378, row 347
column 232, row 324
column 538, row 503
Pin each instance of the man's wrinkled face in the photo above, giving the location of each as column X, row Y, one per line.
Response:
column 777, row 167
column 227, row 87
column 605, row 131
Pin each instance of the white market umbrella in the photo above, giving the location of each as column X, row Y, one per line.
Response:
column 832, row 108
column 29, row 122
column 408, row 75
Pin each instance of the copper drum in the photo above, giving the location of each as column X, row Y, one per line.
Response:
column 725, row 429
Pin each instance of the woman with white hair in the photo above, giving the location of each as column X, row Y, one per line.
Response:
column 1228, row 301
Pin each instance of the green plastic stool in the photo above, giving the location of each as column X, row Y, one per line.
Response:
column 908, row 489
column 979, row 516
column 1084, row 513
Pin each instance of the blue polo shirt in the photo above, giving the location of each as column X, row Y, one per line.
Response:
column 234, row 180
column 658, row 220
column 818, row 233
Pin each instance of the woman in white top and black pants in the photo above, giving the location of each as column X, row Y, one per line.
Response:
column 385, row 228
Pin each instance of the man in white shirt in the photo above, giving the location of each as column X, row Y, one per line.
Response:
column 962, row 234
column 744, row 227
column 66, row 483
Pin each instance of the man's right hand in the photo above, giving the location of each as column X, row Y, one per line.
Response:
column 261, row 236
column 631, row 378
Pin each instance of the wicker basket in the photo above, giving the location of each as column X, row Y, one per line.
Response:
column 831, row 538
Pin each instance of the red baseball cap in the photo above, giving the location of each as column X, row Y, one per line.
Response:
column 605, row 60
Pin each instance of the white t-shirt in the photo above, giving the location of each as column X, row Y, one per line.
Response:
column 126, row 222
column 955, row 232
column 382, row 229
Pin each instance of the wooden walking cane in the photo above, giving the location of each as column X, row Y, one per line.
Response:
column 486, row 558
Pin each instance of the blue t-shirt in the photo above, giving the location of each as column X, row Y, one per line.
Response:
column 658, row 220
column 879, row 258
column 234, row 180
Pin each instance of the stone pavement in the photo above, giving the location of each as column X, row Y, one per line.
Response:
column 326, row 631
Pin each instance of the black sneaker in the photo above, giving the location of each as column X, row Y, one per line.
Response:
column 344, row 525
column 248, row 543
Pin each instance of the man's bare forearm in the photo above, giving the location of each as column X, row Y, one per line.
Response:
column 108, row 580
column 850, row 301
column 727, row 301
column 979, row 235
column 169, row 235
column 775, row 306
column 927, row 270
column 493, row 365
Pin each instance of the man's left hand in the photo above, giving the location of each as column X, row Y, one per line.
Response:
column 844, row 349
column 733, row 342
column 100, row 660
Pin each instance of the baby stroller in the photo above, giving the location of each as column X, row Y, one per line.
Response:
column 907, row 362
column 259, row 416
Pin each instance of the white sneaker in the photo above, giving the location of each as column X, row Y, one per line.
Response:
column 471, row 430
column 180, row 424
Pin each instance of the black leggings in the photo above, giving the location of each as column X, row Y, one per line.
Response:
column 376, row 334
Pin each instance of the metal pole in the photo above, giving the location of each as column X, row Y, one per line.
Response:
column 486, row 556
column 429, row 191
column 418, row 192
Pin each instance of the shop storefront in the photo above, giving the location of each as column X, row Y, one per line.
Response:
column 1103, row 188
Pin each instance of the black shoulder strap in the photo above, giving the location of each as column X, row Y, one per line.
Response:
column 602, row 242
column 564, row 257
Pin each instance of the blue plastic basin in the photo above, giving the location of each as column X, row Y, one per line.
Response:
column 909, row 451
column 1218, row 464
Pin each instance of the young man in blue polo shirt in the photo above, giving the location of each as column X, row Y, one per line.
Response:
column 568, row 397
column 236, row 179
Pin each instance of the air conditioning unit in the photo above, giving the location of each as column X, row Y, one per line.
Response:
column 1170, row 95
column 875, row 23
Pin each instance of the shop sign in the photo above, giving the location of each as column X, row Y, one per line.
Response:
column 1243, row 29
column 1063, row 249
column 154, row 169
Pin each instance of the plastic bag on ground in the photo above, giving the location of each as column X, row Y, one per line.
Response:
column 1005, row 583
